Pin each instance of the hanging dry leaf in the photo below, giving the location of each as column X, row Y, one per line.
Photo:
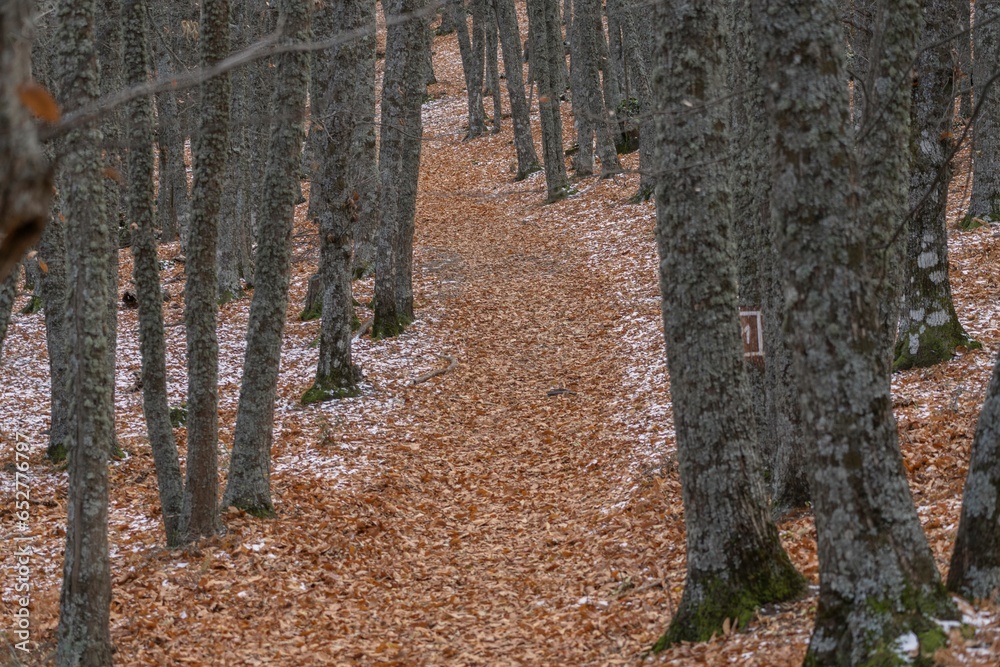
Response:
column 39, row 102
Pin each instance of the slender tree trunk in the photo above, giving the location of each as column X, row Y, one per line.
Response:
column 249, row 482
column 336, row 374
column 365, row 149
column 513, row 63
column 589, row 101
column 963, row 49
column 929, row 330
column 146, row 273
column 8, row 292
column 472, row 66
column 878, row 578
column 985, row 202
column 546, row 51
column 399, row 163
column 735, row 561
column 489, row 23
column 200, row 514
column 84, row 604
column 173, row 206
column 53, row 288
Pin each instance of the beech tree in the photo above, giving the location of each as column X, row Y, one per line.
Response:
column 403, row 87
column 472, row 65
column 878, row 578
column 146, row 273
column 336, row 373
column 546, row 54
column 249, row 483
column 929, row 330
column 590, row 112
column 510, row 46
column 84, row 603
column 985, row 201
column 735, row 561
column 200, row 513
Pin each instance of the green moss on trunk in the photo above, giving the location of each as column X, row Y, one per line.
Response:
column 389, row 327
column 925, row 345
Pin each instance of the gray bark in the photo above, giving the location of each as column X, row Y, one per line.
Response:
column 513, row 62
column 783, row 450
column 878, row 578
column 249, row 482
column 546, row 52
column 929, row 330
column 53, row 289
column 8, row 292
column 146, row 273
column 985, row 202
column 472, row 66
column 489, row 31
column 593, row 121
column 975, row 563
column 963, row 52
column 173, row 202
column 399, row 162
column 735, row 561
column 200, row 515
column 83, row 634
column 336, row 374
column 365, row 151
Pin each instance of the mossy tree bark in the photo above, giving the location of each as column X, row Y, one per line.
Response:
column 878, row 579
column 249, row 481
column 776, row 411
column 84, row 604
column 975, row 563
column 513, row 64
column 403, row 90
column 985, row 201
column 735, row 561
column 929, row 330
column 200, row 513
column 336, row 373
column 146, row 272
column 546, row 52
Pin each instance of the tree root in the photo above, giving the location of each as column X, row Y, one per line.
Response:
column 452, row 363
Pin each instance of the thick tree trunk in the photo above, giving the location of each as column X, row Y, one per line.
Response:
column 878, row 578
column 146, row 273
column 249, row 482
column 929, row 330
column 200, row 514
column 975, row 564
column 546, row 51
column 513, row 63
column 783, row 450
column 399, row 161
column 336, row 374
column 985, row 202
column 735, row 561
column 83, row 634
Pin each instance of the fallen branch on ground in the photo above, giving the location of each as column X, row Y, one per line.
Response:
column 437, row 371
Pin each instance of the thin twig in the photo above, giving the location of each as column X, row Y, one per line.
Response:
column 452, row 363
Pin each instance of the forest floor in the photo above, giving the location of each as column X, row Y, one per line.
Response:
column 473, row 519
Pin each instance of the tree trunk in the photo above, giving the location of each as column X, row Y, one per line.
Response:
column 735, row 561
column 472, row 66
column 878, row 579
column 776, row 412
column 929, row 330
column 54, row 288
column 336, row 374
column 249, row 482
column 399, row 163
column 489, row 28
column 365, row 150
column 8, row 292
column 588, row 98
column 546, row 51
column 513, row 63
column 985, row 202
column 200, row 515
column 146, row 273
column 173, row 206
column 975, row 564
column 963, row 48
column 84, row 604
